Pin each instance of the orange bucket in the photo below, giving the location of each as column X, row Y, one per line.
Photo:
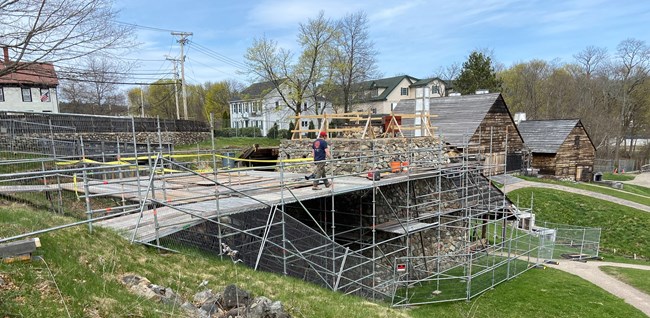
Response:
column 395, row 166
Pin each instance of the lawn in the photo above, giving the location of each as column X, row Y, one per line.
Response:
column 624, row 230
column 638, row 278
column 86, row 268
column 618, row 176
column 629, row 192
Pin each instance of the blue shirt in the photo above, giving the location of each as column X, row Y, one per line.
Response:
column 319, row 146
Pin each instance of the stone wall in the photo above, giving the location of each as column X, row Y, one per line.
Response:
column 354, row 156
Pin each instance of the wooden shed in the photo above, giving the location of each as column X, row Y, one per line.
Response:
column 560, row 148
column 476, row 124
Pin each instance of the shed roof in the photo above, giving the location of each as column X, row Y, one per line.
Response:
column 458, row 117
column 31, row 74
column 546, row 136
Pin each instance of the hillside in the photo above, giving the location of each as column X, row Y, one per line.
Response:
column 87, row 268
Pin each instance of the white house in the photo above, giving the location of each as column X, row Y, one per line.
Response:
column 380, row 96
column 260, row 105
column 29, row 89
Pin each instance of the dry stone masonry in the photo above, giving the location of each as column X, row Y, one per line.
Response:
column 355, row 156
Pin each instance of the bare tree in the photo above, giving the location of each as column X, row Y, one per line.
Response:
column 95, row 82
column 591, row 59
column 353, row 60
column 58, row 30
column 278, row 66
column 631, row 71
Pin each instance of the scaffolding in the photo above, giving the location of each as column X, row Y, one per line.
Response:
column 433, row 229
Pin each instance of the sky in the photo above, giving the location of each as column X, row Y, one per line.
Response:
column 413, row 37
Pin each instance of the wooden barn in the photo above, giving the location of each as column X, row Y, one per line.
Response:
column 560, row 148
column 478, row 124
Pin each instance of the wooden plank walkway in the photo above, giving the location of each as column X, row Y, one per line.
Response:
column 178, row 216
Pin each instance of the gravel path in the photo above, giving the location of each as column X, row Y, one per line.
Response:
column 590, row 270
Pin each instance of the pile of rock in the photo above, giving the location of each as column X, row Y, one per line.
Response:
column 231, row 303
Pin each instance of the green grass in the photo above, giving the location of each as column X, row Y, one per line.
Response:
column 638, row 278
column 624, row 230
column 536, row 293
column 87, row 268
column 239, row 143
column 618, row 176
column 629, row 192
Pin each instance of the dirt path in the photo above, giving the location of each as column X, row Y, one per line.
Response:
column 523, row 184
column 642, row 179
column 590, row 271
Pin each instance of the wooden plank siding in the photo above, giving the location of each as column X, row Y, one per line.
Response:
column 575, row 158
column 495, row 131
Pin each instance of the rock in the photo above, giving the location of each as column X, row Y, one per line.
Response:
column 234, row 297
column 201, row 297
column 166, row 295
column 211, row 305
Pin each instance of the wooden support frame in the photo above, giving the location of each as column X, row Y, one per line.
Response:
column 367, row 131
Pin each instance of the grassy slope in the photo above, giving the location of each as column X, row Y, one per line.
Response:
column 624, row 230
column 634, row 277
column 618, row 176
column 537, row 293
column 629, row 192
column 87, row 268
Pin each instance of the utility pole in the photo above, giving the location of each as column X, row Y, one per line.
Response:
column 183, row 39
column 178, row 113
column 141, row 101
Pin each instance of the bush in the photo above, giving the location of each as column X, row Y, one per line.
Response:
column 284, row 134
column 273, row 132
column 239, row 132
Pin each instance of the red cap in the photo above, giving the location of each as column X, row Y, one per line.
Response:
column 323, row 134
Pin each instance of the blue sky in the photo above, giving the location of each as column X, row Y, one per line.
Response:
column 412, row 37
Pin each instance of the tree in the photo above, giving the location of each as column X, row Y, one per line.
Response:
column 160, row 99
column 97, row 81
column 216, row 99
column 477, row 73
column 59, row 30
column 276, row 65
column 631, row 71
column 353, row 59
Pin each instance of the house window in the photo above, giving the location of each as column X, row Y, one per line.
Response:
column 304, row 107
column 277, row 105
column 374, row 110
column 576, row 141
column 27, row 94
column 305, row 123
column 2, row 94
column 404, row 91
column 435, row 89
column 45, row 95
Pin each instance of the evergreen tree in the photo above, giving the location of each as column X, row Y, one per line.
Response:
column 310, row 134
column 477, row 73
column 225, row 119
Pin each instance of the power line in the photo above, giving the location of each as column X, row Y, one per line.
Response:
column 146, row 27
column 219, row 56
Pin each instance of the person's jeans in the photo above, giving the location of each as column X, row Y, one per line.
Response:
column 319, row 172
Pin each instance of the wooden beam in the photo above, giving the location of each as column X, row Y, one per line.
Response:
column 19, row 248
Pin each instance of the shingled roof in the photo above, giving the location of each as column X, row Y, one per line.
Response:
column 255, row 90
column 458, row 116
column 31, row 74
column 546, row 136
column 388, row 84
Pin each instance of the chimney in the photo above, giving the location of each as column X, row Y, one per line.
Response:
column 6, row 53
column 519, row 117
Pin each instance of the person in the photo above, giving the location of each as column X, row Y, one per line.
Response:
column 320, row 152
